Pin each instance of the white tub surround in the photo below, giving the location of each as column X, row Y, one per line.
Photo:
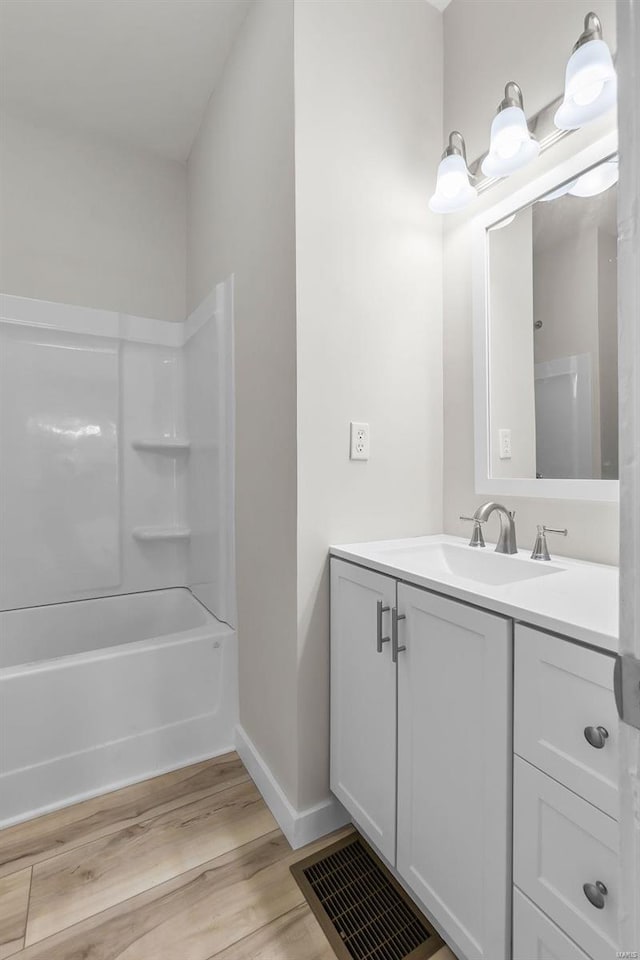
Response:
column 100, row 693
column 119, row 430
column 571, row 597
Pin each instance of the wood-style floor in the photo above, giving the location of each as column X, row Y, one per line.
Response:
column 187, row 866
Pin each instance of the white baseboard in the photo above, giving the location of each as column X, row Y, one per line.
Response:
column 299, row 826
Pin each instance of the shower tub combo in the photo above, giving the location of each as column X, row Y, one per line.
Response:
column 96, row 694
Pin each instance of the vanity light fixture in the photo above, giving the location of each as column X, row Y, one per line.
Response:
column 590, row 87
column 453, row 184
column 512, row 145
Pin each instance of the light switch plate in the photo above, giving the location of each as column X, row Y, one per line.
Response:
column 359, row 449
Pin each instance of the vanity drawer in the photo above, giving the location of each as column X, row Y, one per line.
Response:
column 560, row 843
column 561, row 689
column 535, row 937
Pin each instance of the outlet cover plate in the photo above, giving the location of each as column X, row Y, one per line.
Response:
column 359, row 447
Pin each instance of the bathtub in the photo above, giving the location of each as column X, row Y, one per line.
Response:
column 96, row 694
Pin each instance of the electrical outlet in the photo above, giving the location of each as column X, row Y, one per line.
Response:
column 359, row 441
column 505, row 444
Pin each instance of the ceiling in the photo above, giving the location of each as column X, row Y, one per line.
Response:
column 139, row 71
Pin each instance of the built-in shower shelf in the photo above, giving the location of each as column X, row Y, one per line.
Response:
column 170, row 445
column 161, row 533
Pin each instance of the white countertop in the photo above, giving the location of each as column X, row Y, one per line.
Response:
column 579, row 601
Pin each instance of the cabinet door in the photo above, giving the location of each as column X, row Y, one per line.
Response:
column 363, row 702
column 454, row 768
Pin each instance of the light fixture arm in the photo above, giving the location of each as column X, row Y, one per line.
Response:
column 456, row 146
column 512, row 96
column 592, row 31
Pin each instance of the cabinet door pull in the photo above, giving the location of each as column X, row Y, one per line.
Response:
column 595, row 894
column 395, row 649
column 596, row 736
column 380, row 639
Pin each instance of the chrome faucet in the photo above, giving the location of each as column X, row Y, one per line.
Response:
column 507, row 539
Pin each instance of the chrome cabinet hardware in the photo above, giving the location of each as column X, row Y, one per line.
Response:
column 477, row 539
column 380, row 639
column 596, row 736
column 540, row 550
column 395, row 649
column 595, row 894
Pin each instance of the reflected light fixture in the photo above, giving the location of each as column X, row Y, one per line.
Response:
column 501, row 224
column 512, row 145
column 596, row 180
column 453, row 185
column 590, row 86
column 558, row 192
column 589, row 184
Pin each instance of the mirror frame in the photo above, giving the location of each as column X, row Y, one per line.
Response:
column 557, row 489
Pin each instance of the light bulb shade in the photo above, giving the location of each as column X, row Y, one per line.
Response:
column 453, row 188
column 590, row 86
column 512, row 146
column 597, row 180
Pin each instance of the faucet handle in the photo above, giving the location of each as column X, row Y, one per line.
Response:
column 540, row 550
column 477, row 540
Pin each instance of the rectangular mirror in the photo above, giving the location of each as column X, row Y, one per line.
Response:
column 546, row 338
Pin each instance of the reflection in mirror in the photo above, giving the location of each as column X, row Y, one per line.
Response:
column 553, row 359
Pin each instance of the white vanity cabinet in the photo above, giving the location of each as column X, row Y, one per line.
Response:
column 477, row 752
column 448, row 732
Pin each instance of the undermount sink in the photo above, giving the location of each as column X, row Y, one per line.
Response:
column 482, row 565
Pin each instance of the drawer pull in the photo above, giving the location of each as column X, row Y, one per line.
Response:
column 595, row 894
column 596, row 736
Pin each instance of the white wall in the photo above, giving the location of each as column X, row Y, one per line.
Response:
column 368, row 332
column 483, row 50
column 90, row 222
column 241, row 221
column 368, row 81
